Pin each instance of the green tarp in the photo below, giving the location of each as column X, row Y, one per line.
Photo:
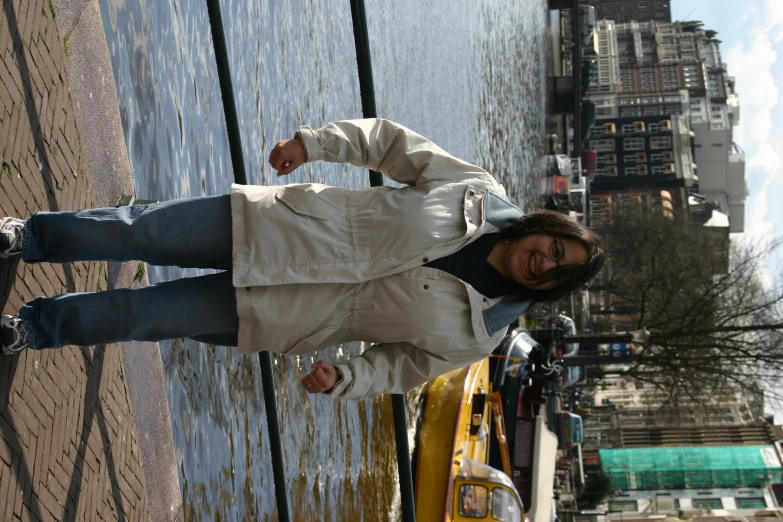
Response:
column 691, row 467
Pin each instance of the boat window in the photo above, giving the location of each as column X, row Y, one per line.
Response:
column 473, row 501
column 504, row 506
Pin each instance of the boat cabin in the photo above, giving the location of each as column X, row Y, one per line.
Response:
column 483, row 493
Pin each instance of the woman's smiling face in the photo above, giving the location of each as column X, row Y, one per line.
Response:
column 533, row 258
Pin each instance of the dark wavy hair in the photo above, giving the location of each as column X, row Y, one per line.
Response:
column 562, row 227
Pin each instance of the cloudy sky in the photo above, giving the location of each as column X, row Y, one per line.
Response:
column 751, row 32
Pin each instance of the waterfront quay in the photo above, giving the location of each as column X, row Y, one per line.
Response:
column 70, row 447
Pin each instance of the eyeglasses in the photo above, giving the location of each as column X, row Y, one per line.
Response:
column 556, row 255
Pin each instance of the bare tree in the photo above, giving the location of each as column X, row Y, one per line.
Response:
column 714, row 322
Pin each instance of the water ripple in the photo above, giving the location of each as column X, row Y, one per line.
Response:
column 471, row 77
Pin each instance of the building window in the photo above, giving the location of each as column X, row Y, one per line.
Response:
column 630, row 128
column 640, row 170
column 609, row 172
column 634, row 144
column 607, row 159
column 630, row 112
column 637, row 157
column 660, row 171
column 671, row 77
column 602, row 145
column 628, row 80
column 660, row 126
column 707, row 503
column 599, row 130
column 660, row 157
column 751, row 503
column 647, row 72
column 625, row 505
column 661, row 142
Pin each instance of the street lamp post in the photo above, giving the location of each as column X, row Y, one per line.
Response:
column 615, row 357
column 639, row 336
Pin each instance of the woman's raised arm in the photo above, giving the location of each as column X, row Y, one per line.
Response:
column 393, row 368
column 376, row 144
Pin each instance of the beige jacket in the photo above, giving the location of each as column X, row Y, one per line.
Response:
column 316, row 265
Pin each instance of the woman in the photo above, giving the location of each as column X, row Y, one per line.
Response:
column 431, row 273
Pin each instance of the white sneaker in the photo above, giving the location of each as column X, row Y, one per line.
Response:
column 11, row 237
column 13, row 335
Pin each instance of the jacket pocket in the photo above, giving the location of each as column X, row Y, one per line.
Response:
column 318, row 341
column 305, row 204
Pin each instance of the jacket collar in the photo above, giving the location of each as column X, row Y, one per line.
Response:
column 504, row 312
column 491, row 316
column 501, row 214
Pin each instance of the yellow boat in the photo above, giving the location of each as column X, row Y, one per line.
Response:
column 453, row 481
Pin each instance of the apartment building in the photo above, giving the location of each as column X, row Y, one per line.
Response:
column 633, row 10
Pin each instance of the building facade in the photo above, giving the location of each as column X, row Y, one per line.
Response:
column 646, row 151
column 633, row 10
column 664, row 69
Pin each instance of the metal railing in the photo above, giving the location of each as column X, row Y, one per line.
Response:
column 238, row 163
column 367, row 90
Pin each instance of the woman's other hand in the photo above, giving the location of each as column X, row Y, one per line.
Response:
column 322, row 378
column 287, row 156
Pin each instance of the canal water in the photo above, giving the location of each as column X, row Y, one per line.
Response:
column 469, row 75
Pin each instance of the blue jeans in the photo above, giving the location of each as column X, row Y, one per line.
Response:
column 186, row 233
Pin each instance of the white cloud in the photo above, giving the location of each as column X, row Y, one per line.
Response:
column 751, row 63
column 750, row 59
column 757, row 225
column 765, row 160
column 773, row 21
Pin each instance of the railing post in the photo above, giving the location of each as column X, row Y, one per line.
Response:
column 364, row 63
column 367, row 90
column 238, row 163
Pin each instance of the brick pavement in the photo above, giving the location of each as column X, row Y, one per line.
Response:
column 68, row 448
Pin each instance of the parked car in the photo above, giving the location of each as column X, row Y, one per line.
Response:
column 569, row 328
column 571, row 374
column 560, row 165
column 588, row 116
column 555, row 145
column 586, row 23
column 570, row 431
column 589, row 68
column 589, row 163
column 555, row 186
column 555, row 190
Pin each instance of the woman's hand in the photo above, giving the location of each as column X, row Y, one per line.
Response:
column 287, row 156
column 322, row 378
